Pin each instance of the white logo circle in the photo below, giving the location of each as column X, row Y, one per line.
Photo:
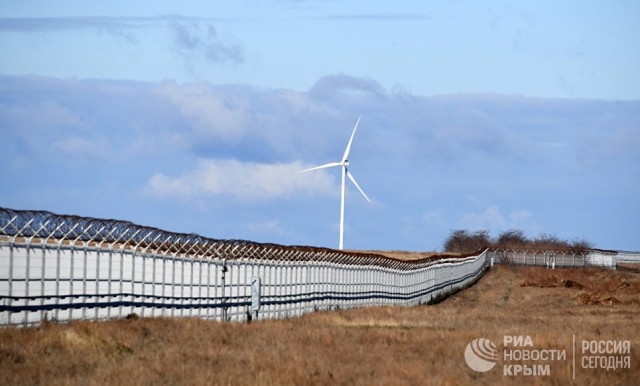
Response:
column 481, row 355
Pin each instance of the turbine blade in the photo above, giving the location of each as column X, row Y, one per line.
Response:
column 346, row 152
column 356, row 184
column 321, row 167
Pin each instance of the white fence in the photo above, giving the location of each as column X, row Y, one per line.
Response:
column 626, row 257
column 67, row 268
column 553, row 259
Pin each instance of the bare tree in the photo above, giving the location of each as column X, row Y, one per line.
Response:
column 463, row 242
column 511, row 239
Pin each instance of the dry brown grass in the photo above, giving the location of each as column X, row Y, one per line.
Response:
column 407, row 255
column 384, row 345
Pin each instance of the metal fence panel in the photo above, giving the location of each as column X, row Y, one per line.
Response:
column 626, row 257
column 553, row 259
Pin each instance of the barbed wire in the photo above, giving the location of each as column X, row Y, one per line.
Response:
column 50, row 227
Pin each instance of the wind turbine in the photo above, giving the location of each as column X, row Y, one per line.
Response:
column 345, row 172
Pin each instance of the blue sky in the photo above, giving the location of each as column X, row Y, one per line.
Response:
column 196, row 117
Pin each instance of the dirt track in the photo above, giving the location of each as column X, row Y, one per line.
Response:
column 387, row 345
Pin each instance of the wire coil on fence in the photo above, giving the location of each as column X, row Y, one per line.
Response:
column 46, row 225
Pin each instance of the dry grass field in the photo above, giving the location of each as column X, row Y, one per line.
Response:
column 406, row 255
column 387, row 345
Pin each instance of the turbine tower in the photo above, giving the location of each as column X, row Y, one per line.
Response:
column 345, row 172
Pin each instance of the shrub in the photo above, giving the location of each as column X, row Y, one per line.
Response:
column 548, row 242
column 581, row 245
column 461, row 241
column 511, row 239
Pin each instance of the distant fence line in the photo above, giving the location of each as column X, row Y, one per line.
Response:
column 68, row 268
column 626, row 257
column 553, row 259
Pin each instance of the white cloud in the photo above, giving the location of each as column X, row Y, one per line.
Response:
column 211, row 115
column 247, row 181
column 202, row 40
column 82, row 148
column 345, row 83
column 433, row 218
column 493, row 219
column 47, row 114
column 520, row 216
column 269, row 227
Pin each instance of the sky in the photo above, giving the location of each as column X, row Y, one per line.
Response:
column 197, row 116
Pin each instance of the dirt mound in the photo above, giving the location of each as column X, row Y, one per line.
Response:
column 552, row 282
column 595, row 298
column 570, row 284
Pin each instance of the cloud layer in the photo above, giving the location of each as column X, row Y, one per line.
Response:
column 192, row 38
column 222, row 160
column 242, row 180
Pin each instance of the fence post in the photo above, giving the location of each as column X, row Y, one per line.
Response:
column 224, row 299
column 12, row 241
